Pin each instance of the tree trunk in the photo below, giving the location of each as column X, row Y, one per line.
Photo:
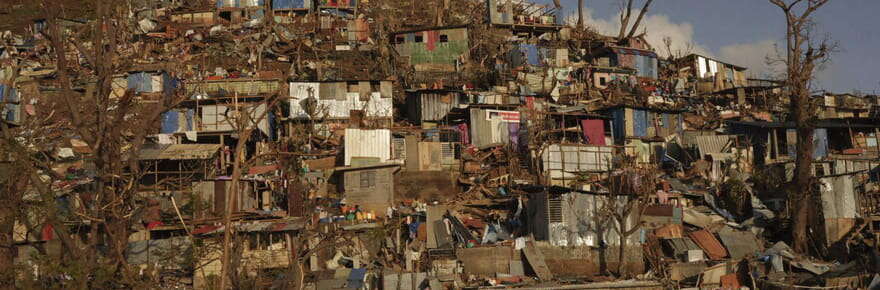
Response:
column 580, row 23
column 803, row 174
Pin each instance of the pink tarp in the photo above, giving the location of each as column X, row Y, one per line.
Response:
column 594, row 131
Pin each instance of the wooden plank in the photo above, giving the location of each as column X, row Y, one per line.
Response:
column 536, row 260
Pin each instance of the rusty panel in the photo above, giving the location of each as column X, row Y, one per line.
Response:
column 295, row 200
column 707, row 241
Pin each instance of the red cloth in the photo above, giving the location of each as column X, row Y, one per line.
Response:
column 153, row 224
column 594, row 131
column 48, row 232
column 431, row 38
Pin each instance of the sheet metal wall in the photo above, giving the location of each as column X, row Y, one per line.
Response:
column 558, row 159
column 485, row 132
column 291, row 4
column 214, row 117
column 339, row 104
column 431, row 106
column 367, row 143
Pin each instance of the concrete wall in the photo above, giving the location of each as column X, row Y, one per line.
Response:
column 375, row 197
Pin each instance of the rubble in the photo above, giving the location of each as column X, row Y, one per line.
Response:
column 338, row 144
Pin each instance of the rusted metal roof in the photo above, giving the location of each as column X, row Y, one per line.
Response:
column 178, row 151
column 707, row 241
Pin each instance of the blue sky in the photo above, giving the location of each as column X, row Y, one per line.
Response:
column 745, row 32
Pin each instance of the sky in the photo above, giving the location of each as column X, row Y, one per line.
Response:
column 747, row 32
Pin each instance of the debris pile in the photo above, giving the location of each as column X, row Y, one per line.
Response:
column 341, row 144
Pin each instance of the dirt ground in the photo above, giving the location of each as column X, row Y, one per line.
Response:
column 425, row 185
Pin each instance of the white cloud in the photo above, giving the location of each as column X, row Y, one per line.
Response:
column 754, row 56
column 656, row 26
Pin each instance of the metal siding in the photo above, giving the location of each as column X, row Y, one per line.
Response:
column 617, row 126
column 640, row 123
column 820, row 143
column 838, row 197
column 433, row 108
column 713, row 144
column 480, row 128
column 141, row 82
column 558, row 159
column 336, row 107
column 367, row 143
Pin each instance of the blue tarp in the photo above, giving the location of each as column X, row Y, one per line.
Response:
column 640, row 123
column 356, row 278
column 170, row 121
column 288, row 4
column 531, row 53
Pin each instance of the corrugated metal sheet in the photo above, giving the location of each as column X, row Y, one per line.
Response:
column 14, row 95
column 485, row 131
column 714, row 144
column 244, row 87
column 681, row 246
column 339, row 105
column 640, row 123
column 740, row 244
column 431, row 106
column 178, row 151
column 710, row 245
column 239, row 3
column 558, row 159
column 838, row 197
column 398, row 148
column 141, row 82
column 367, row 143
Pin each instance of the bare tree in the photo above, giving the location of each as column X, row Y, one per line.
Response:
column 580, row 23
column 626, row 14
column 245, row 121
column 803, row 56
column 625, row 202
